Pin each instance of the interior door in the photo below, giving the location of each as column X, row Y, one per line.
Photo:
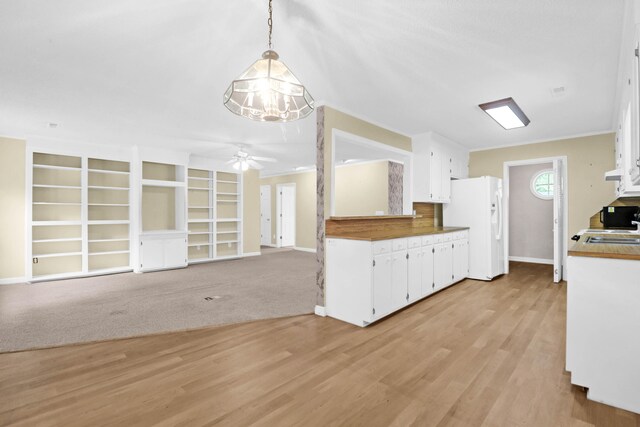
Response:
column 558, row 220
column 265, row 215
column 287, row 215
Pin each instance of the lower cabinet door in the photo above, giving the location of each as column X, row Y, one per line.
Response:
column 426, row 261
column 460, row 259
column 152, row 254
column 382, row 294
column 414, row 279
column 399, row 268
column 443, row 265
column 175, row 252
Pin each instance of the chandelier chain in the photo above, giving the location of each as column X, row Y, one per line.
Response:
column 270, row 23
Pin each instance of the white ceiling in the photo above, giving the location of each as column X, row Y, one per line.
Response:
column 152, row 72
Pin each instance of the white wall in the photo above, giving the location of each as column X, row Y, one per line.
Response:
column 530, row 218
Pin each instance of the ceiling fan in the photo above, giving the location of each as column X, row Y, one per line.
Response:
column 243, row 161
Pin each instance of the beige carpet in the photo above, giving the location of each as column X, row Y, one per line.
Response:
column 125, row 305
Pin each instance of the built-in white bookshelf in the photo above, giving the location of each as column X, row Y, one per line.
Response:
column 228, row 215
column 108, row 215
column 214, row 220
column 74, row 201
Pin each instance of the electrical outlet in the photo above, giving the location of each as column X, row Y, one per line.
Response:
column 35, row 260
column 229, row 244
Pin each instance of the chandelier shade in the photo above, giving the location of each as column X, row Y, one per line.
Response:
column 268, row 92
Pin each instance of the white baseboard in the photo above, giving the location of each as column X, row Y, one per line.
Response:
column 251, row 253
column 13, row 280
column 321, row 311
column 531, row 260
column 304, row 249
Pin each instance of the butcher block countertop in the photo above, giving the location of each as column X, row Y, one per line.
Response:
column 373, row 233
column 602, row 250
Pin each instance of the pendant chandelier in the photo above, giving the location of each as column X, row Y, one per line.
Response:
column 267, row 91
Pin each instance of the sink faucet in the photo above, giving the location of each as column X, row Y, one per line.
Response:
column 637, row 224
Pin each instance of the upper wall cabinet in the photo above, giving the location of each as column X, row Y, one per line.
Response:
column 627, row 155
column 436, row 161
column 634, row 114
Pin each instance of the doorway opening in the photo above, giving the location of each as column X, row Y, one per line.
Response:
column 286, row 215
column 535, row 219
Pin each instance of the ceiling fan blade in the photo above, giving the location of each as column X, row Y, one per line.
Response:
column 254, row 164
column 232, row 161
column 264, row 159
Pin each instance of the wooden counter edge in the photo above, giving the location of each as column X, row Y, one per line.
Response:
column 396, row 235
column 635, row 257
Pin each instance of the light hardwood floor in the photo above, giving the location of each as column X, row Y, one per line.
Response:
column 476, row 354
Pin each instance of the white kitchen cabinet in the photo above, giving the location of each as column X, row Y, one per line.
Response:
column 426, row 262
column 602, row 346
column 382, row 286
column 435, row 176
column 442, row 265
column 436, row 161
column 439, row 176
column 163, row 250
column 399, row 272
column 366, row 281
column 460, row 259
column 414, row 273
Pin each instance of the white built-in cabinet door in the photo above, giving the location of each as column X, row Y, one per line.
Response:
column 399, row 268
column 435, row 175
column 443, row 265
column 152, row 254
column 426, row 261
column 445, row 191
column 382, row 293
column 440, row 165
column 414, row 279
column 460, row 259
column 163, row 251
column 175, row 252
column 367, row 281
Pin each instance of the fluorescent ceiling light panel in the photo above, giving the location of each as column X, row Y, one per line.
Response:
column 506, row 112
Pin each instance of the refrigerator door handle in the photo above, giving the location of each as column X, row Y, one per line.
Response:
column 499, row 199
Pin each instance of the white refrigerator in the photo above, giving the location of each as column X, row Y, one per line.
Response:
column 477, row 203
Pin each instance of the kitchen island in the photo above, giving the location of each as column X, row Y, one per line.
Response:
column 603, row 318
column 380, row 265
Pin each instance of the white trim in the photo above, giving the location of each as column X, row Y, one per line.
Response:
column 247, row 254
column 297, row 248
column 13, row 281
column 367, row 162
column 565, row 204
column 268, row 175
column 320, row 311
column 531, row 260
column 271, row 245
column 323, row 103
column 540, row 141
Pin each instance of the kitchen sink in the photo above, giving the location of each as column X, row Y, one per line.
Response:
column 634, row 241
